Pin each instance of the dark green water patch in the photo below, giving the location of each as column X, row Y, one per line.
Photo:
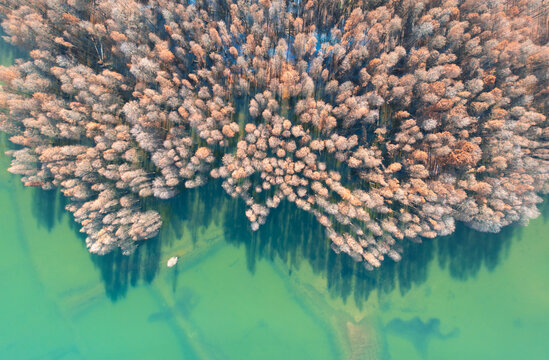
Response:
column 420, row 333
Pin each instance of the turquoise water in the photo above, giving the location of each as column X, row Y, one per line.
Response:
column 276, row 294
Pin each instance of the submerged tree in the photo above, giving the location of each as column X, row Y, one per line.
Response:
column 387, row 120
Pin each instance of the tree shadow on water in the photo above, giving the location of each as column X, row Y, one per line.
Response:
column 466, row 251
column 48, row 207
column 292, row 236
column 544, row 208
column 191, row 211
column 119, row 272
column 295, row 236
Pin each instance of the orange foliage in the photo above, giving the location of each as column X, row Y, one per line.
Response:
column 71, row 18
column 489, row 80
column 465, row 154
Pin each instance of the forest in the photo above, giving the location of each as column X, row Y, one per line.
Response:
column 387, row 120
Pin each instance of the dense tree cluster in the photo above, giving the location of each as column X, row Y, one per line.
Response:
column 387, row 120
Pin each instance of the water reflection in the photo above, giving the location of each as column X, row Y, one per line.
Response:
column 294, row 237
column 48, row 206
column 291, row 235
column 467, row 251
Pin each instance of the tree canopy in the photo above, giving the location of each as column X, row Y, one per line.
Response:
column 388, row 120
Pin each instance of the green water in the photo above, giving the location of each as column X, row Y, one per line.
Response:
column 276, row 294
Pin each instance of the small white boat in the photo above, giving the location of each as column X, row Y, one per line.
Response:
column 172, row 261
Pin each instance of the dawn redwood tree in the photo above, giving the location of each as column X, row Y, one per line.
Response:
column 387, row 120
